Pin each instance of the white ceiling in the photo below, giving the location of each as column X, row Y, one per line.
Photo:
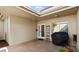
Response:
column 46, row 14
column 52, row 9
column 13, row 10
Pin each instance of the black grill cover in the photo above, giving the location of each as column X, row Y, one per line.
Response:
column 60, row 38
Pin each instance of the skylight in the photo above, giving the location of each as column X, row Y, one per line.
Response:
column 39, row 8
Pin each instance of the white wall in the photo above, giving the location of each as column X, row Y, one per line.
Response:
column 71, row 23
column 1, row 29
column 21, row 30
column 78, row 29
column 7, row 35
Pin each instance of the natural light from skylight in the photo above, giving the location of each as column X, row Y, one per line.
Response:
column 39, row 8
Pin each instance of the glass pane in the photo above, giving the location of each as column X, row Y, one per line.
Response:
column 42, row 30
column 56, row 28
column 64, row 27
column 39, row 8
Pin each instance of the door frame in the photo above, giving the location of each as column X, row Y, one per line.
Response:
column 39, row 31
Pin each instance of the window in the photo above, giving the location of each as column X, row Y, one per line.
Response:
column 60, row 27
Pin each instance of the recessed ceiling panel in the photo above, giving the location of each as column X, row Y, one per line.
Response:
column 42, row 11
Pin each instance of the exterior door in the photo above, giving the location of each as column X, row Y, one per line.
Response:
column 41, row 31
